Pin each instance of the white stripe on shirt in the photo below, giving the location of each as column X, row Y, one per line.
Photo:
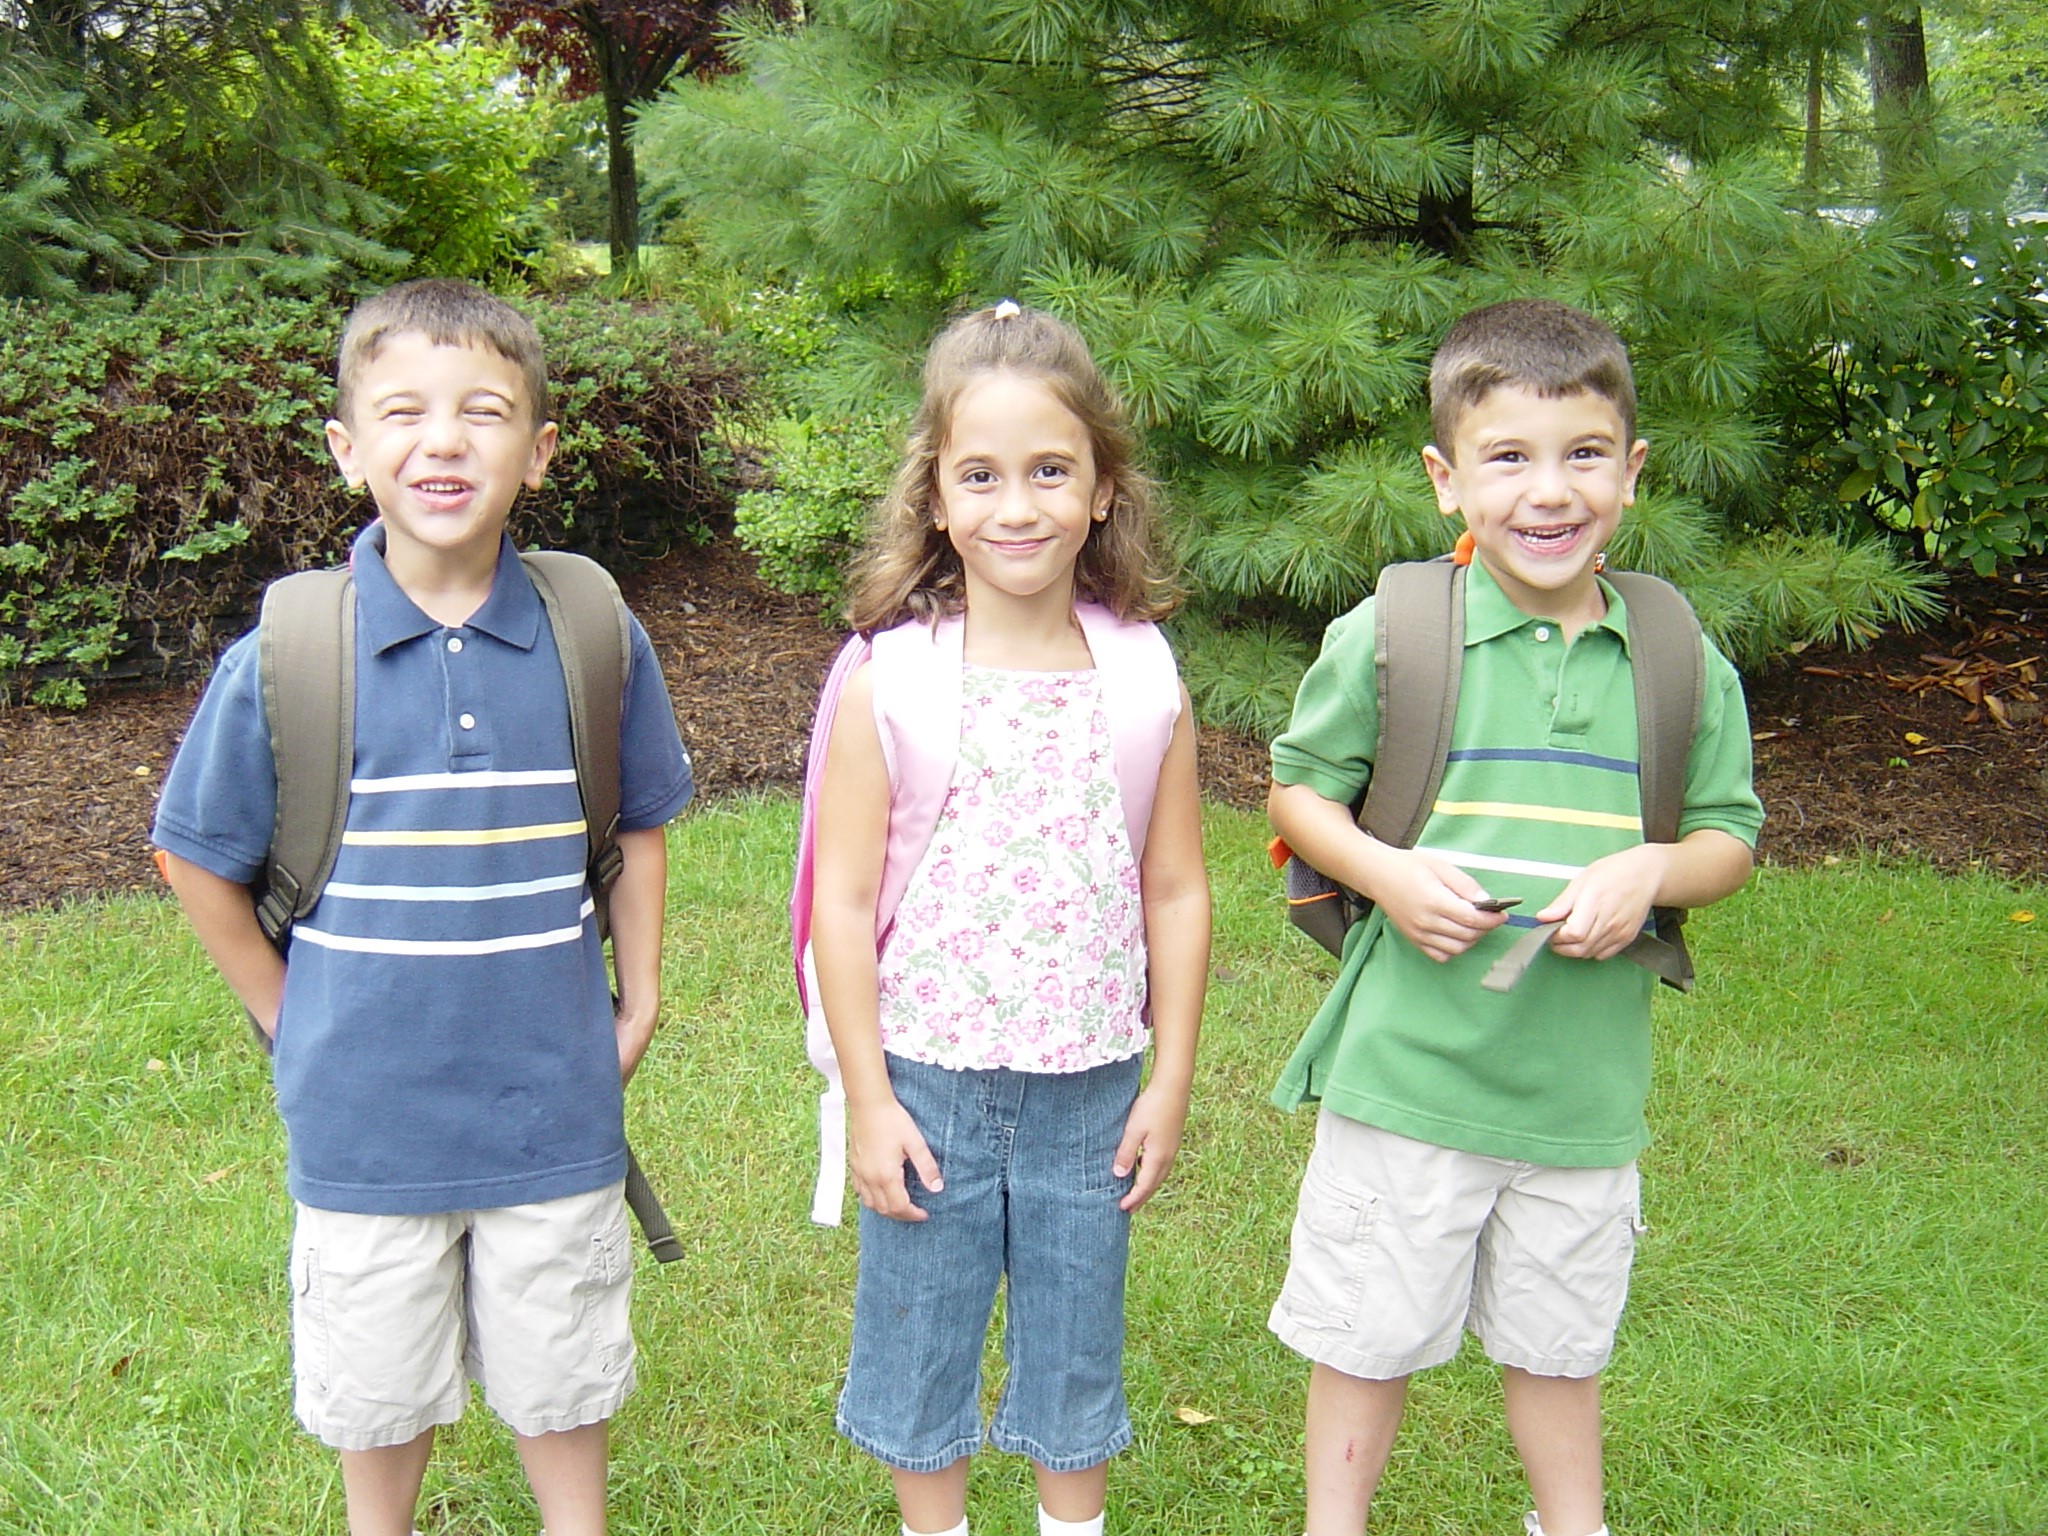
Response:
column 1503, row 865
column 499, row 946
column 486, row 780
column 357, row 892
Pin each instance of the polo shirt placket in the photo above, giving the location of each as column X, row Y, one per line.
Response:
column 469, row 730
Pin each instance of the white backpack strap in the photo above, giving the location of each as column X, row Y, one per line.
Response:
column 828, row 1192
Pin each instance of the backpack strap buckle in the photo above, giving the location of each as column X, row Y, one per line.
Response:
column 608, row 862
column 278, row 904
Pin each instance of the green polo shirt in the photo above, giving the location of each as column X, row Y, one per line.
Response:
column 1541, row 780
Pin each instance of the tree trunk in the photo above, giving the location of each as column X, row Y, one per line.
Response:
column 622, row 180
column 1444, row 221
column 1897, row 56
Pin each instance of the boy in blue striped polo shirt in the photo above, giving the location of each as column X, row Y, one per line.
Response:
column 448, row 1059
column 1475, row 1152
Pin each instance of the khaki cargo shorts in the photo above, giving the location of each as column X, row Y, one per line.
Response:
column 393, row 1316
column 1398, row 1245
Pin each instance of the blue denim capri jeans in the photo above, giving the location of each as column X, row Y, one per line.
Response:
column 1029, row 1194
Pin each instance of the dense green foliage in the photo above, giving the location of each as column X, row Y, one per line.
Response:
column 1263, row 215
column 217, row 119
column 447, row 134
column 50, row 225
column 301, row 146
column 158, row 464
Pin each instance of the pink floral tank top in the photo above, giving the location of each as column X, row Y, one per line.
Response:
column 1020, row 940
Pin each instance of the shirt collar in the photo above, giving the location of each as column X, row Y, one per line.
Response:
column 512, row 613
column 1489, row 614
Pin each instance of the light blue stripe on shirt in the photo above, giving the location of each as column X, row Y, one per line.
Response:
column 1542, row 755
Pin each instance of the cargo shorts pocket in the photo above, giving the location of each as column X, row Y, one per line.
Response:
column 605, row 1292
column 309, row 1318
column 1332, row 1240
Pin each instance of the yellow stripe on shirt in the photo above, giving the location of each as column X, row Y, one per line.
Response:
column 1556, row 813
column 464, row 838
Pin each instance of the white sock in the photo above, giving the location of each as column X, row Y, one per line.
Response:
column 1047, row 1526
column 1531, row 1528
column 958, row 1530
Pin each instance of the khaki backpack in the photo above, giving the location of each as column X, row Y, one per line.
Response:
column 306, row 655
column 1419, row 643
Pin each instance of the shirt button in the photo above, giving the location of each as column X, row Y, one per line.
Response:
column 1542, row 633
column 467, row 722
column 455, row 642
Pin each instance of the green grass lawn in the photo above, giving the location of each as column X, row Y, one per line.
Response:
column 1837, row 1322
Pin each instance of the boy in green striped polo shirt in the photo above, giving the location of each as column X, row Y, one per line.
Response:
column 1475, row 1152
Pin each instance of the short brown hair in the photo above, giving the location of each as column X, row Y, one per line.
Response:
column 449, row 314
column 909, row 568
column 1547, row 348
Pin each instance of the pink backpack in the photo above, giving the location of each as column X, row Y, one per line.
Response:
column 917, row 714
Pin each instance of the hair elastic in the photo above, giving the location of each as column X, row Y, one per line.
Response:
column 1006, row 309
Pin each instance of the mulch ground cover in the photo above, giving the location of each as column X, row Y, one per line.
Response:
column 1927, row 745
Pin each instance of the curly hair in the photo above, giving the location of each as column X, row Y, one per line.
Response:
column 909, row 568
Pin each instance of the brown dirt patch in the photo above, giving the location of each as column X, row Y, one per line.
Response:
column 1836, row 765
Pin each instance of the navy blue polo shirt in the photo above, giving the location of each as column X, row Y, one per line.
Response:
column 446, row 1038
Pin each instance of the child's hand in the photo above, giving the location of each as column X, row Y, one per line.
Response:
column 1604, row 907
column 1151, row 1141
column 1429, row 900
column 882, row 1139
column 635, row 1027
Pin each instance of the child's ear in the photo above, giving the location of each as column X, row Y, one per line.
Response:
column 1439, row 469
column 1105, row 498
column 343, row 447
column 543, row 450
column 1631, row 469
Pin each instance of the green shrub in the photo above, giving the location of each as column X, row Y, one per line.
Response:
column 1944, row 436
column 826, row 474
column 159, row 464
column 445, row 132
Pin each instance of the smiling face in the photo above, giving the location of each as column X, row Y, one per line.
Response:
column 444, row 437
column 1541, row 483
column 1017, row 490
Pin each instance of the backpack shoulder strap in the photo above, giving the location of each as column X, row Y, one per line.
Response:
column 1140, row 684
column 1669, row 663
column 852, row 655
column 593, row 636
column 306, row 662
column 1419, row 649
column 1667, row 656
